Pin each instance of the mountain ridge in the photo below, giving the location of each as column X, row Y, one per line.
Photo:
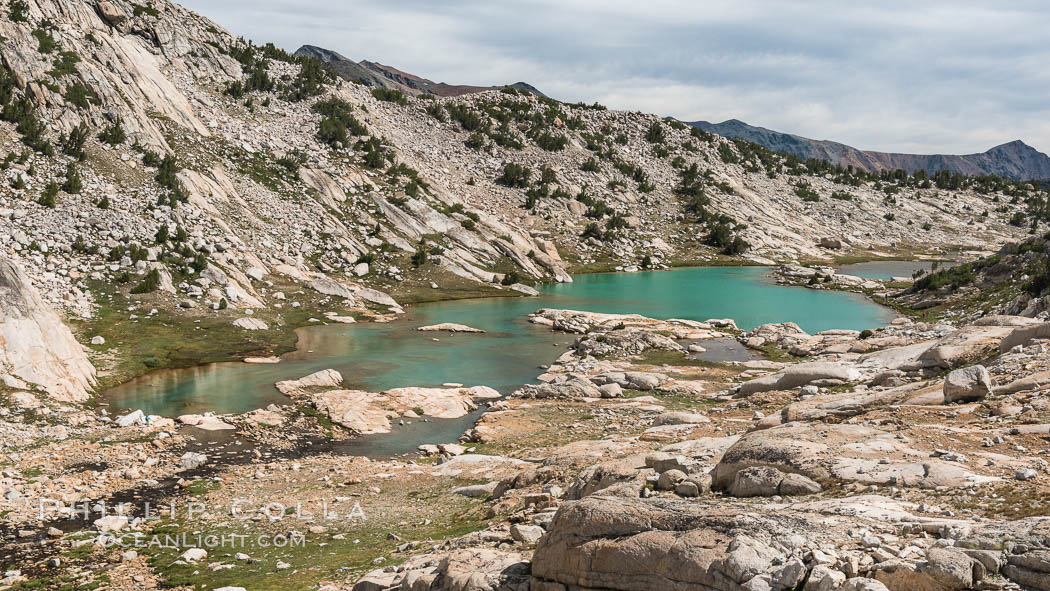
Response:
column 372, row 73
column 1014, row 160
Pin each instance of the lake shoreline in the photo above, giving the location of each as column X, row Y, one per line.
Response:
column 279, row 349
column 668, row 295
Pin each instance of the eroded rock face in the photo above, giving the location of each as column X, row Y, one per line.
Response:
column 800, row 375
column 944, row 569
column 1024, row 335
column 35, row 346
column 844, row 452
column 631, row 544
column 626, row 544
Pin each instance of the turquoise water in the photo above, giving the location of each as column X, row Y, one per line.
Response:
column 381, row 356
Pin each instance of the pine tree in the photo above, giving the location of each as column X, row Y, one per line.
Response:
column 47, row 198
column 73, row 182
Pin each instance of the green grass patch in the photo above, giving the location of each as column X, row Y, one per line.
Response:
column 310, row 562
column 176, row 339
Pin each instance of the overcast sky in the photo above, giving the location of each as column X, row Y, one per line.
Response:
column 951, row 76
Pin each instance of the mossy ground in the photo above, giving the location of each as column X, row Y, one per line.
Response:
column 174, row 338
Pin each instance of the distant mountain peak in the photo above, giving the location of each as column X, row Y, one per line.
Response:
column 1015, row 160
column 1014, row 145
column 372, row 73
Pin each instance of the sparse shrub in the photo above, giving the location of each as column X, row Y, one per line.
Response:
column 114, row 135
column 655, row 134
column 166, row 171
column 552, row 142
column 437, row 112
column 22, row 113
column 18, row 11
column 338, row 122
column 615, row 222
column 234, row 89
column 139, row 10
column 49, row 195
column 805, row 192
column 476, row 141
column 592, row 231
column 310, row 81
column 419, row 258
column 151, row 159
column 374, row 154
column 78, row 95
column 199, row 262
column 390, row 95
column 1040, row 279
column 73, row 144
column 726, row 153
column 514, row 175
column 45, row 42
column 511, row 278
column 150, row 283
column 721, row 235
column 467, row 118
column 65, row 64
column 292, row 161
column 73, row 182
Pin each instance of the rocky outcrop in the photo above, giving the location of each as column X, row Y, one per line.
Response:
column 636, row 545
column 371, row 412
column 825, row 453
column 1024, row 335
column 967, row 384
column 36, row 347
column 326, row 378
column 467, row 569
column 449, row 327
column 632, row 544
column 822, row 373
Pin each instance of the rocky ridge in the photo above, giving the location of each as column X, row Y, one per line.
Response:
column 1015, row 160
column 377, row 75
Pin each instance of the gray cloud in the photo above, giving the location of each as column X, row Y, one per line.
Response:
column 936, row 76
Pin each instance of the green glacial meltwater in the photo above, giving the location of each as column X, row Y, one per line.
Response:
column 381, row 356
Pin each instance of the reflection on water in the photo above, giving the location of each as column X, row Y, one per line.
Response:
column 382, row 356
column 723, row 350
column 887, row 269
